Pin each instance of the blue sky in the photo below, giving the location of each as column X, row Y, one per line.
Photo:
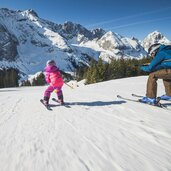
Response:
column 126, row 17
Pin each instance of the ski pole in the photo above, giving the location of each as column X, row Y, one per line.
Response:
column 69, row 85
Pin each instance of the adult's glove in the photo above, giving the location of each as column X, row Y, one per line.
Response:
column 145, row 68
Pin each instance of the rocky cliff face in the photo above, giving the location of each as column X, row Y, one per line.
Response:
column 8, row 45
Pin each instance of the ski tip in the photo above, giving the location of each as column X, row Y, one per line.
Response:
column 134, row 95
column 47, row 107
column 118, row 96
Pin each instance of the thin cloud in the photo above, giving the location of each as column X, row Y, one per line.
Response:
column 123, row 18
column 141, row 22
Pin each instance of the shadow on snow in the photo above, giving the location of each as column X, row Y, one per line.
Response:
column 95, row 103
column 7, row 90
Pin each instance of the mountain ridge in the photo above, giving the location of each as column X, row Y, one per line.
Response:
column 27, row 42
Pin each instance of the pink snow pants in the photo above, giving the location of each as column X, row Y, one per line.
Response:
column 50, row 89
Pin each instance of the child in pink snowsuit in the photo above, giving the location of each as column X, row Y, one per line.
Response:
column 54, row 78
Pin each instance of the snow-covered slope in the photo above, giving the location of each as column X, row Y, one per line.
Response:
column 98, row 133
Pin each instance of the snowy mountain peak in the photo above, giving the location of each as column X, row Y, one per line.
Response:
column 30, row 14
column 134, row 38
column 70, row 30
column 110, row 41
column 98, row 32
column 121, row 46
column 31, row 11
column 154, row 37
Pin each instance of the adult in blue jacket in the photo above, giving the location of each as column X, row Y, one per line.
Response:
column 159, row 68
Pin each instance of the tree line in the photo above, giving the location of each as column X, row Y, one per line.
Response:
column 9, row 77
column 118, row 68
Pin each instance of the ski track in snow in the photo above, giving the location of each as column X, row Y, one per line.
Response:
column 98, row 133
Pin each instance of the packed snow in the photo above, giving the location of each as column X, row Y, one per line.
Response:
column 99, row 132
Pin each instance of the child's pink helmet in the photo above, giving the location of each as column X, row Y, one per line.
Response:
column 50, row 63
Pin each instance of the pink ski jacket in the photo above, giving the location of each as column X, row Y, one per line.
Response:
column 53, row 76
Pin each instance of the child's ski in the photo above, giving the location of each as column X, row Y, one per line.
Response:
column 47, row 106
column 64, row 104
column 138, row 101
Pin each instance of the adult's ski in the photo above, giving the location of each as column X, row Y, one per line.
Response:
column 64, row 104
column 46, row 106
column 165, row 105
column 158, row 104
column 140, row 96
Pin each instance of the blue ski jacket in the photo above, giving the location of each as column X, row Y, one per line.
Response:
column 162, row 60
